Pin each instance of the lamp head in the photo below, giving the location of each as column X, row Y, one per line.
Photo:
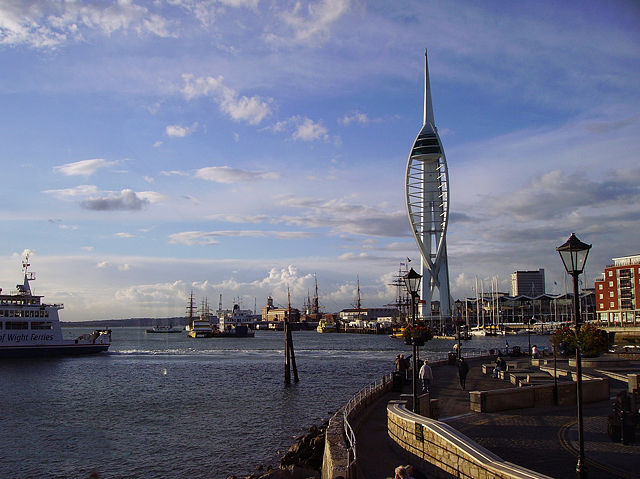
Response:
column 412, row 281
column 574, row 254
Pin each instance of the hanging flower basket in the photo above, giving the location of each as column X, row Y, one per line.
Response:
column 417, row 335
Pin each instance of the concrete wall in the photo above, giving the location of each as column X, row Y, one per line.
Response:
column 335, row 460
column 446, row 452
column 593, row 390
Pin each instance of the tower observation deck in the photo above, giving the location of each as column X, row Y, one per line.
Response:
column 427, row 199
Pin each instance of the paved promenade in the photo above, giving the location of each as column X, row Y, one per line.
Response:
column 541, row 439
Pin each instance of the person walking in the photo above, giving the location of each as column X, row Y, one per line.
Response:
column 463, row 369
column 426, row 375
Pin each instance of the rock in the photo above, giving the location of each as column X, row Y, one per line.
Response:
column 277, row 474
column 298, row 472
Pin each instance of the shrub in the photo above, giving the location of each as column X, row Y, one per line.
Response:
column 593, row 341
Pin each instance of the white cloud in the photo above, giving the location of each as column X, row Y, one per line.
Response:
column 125, row 235
column 226, row 174
column 84, row 167
column 191, row 238
column 309, row 130
column 312, row 22
column 80, row 190
column 50, row 24
column 240, row 108
column 302, row 128
column 179, row 131
column 355, row 117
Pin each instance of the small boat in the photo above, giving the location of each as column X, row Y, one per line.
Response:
column 163, row 329
column 31, row 328
column 202, row 328
column 327, row 326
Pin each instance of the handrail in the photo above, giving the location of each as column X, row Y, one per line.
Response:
column 367, row 392
column 356, row 401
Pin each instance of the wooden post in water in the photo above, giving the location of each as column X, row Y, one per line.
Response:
column 289, row 354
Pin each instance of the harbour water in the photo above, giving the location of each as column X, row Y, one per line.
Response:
column 161, row 406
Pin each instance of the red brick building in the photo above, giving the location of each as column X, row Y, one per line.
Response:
column 618, row 292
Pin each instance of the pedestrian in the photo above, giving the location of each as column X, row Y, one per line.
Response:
column 403, row 472
column 463, row 369
column 401, row 366
column 501, row 365
column 534, row 352
column 426, row 375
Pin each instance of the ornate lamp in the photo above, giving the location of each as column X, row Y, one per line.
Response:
column 412, row 283
column 574, row 256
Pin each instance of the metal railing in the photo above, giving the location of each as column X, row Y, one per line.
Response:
column 367, row 394
column 356, row 403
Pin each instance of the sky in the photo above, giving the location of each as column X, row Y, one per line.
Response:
column 245, row 147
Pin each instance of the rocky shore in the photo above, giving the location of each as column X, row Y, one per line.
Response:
column 303, row 460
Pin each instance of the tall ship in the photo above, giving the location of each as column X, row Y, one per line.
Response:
column 31, row 328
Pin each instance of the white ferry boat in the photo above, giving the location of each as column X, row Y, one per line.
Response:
column 31, row 328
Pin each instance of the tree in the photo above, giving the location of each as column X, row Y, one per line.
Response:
column 593, row 341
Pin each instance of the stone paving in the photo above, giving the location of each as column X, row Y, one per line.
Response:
column 541, row 439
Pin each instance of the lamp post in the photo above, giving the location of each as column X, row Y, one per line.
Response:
column 574, row 256
column 412, row 283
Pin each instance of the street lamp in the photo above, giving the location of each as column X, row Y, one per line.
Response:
column 574, row 256
column 412, row 283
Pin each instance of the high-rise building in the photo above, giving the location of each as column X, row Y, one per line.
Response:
column 527, row 283
column 617, row 292
column 427, row 199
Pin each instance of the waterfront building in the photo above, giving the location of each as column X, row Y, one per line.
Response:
column 427, row 202
column 367, row 314
column 530, row 283
column 617, row 301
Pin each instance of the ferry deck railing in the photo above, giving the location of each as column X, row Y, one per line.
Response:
column 373, row 391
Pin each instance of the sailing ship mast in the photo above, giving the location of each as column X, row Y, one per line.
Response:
column 191, row 308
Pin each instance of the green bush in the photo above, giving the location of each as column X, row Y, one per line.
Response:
column 593, row 341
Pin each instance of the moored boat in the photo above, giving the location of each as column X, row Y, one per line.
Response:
column 327, row 326
column 163, row 329
column 31, row 328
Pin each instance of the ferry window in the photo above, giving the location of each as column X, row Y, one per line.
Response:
column 10, row 313
column 46, row 314
column 43, row 325
column 16, row 325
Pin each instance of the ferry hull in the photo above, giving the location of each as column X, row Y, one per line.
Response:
column 50, row 351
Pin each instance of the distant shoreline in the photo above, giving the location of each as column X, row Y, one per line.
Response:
column 132, row 322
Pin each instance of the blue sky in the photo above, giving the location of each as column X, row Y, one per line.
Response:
column 239, row 147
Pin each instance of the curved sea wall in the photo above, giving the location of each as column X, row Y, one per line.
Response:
column 338, row 454
column 445, row 451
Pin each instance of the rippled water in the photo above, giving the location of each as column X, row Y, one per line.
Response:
column 167, row 406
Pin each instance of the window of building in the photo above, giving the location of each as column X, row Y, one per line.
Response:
column 600, row 286
column 610, row 273
column 611, row 294
column 611, row 284
column 612, row 304
column 601, row 305
column 601, row 295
